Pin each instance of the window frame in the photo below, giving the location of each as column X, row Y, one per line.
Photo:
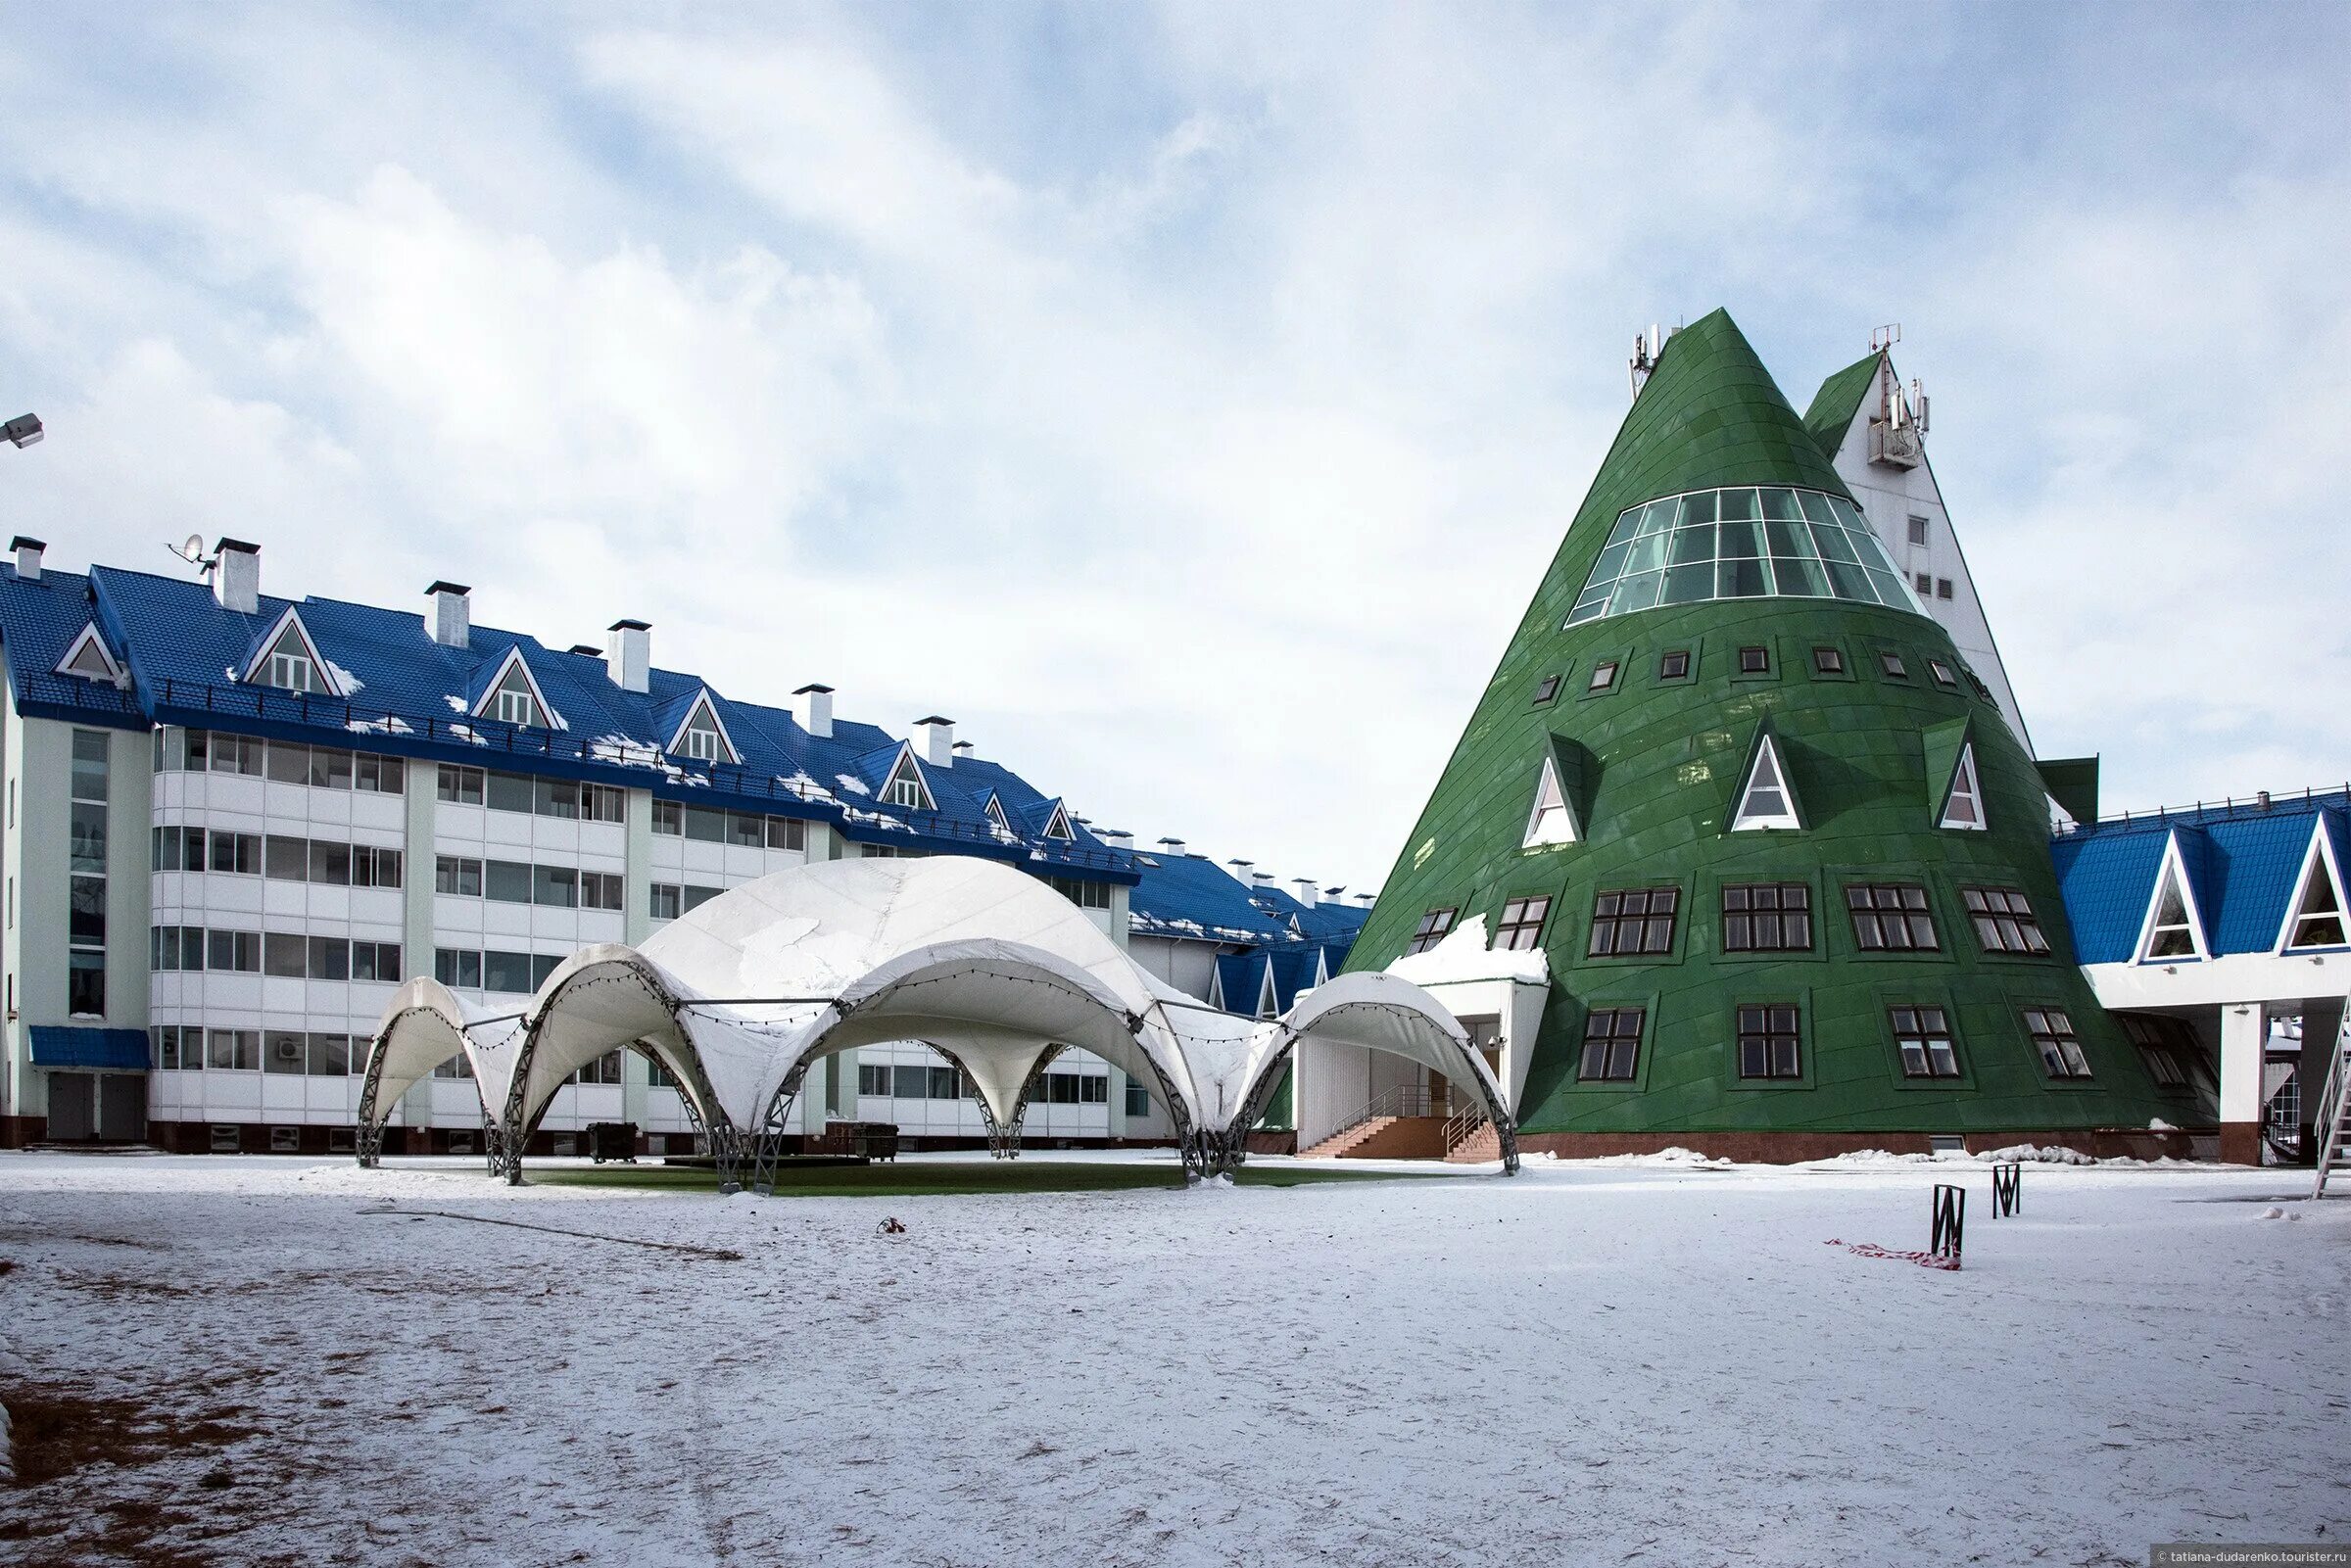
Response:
column 1908, row 1024
column 2072, row 1064
column 1435, row 924
column 1905, row 911
column 1522, row 915
column 1616, row 919
column 1688, row 665
column 1989, row 906
column 1766, row 1016
column 1778, row 912
column 1613, row 1048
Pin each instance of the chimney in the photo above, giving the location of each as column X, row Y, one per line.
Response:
column 1173, row 849
column 812, row 706
column 963, row 749
column 1240, row 869
column 29, row 558
column 629, row 654
column 934, row 737
column 589, row 648
column 237, row 576
column 453, row 614
column 1306, row 890
column 1116, row 837
column 1256, row 876
column 1367, row 900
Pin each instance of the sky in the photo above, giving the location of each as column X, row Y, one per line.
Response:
column 1187, row 400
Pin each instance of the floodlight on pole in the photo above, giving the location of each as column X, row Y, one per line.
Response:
column 23, row 430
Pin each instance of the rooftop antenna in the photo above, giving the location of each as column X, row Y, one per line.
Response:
column 1918, row 405
column 1647, row 346
column 1885, row 337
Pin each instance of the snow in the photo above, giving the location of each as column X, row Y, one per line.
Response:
column 855, row 785
column 1585, row 1365
column 346, row 684
column 1464, row 956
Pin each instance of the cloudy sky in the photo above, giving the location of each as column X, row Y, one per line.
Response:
column 1187, row 400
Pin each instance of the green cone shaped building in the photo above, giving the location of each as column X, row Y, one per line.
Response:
column 1788, row 865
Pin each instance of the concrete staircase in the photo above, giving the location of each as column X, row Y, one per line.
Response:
column 1385, row 1138
column 2330, row 1121
column 1482, row 1145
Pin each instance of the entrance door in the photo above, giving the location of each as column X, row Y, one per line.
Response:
column 72, row 1102
column 123, row 1107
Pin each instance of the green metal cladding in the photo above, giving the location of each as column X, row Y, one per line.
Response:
column 1651, row 767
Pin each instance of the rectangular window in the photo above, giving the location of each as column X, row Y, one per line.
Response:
column 507, row 882
column 1890, row 917
column 906, row 792
column 1138, row 1098
column 506, row 972
column 604, row 803
column 89, row 765
column 1520, row 929
column 457, row 876
column 1630, row 920
column 508, row 792
column 1755, row 661
column 382, row 776
column 85, row 924
column 1828, row 661
column 460, row 786
column 669, row 816
column 375, row 960
column 233, row 753
column 1674, row 665
column 331, row 957
column 1941, row 673
column 2052, row 1033
column 330, row 863
column 665, row 900
column 747, row 831
column 1604, row 676
column 1611, row 1044
column 285, row 1051
column 285, row 956
column 1084, row 895
column 330, row 1056
column 910, row 1082
column 516, row 707
column 695, row 897
column 2157, row 1048
column 240, row 853
column 1546, row 690
column 1766, row 917
column 946, row 1083
column 1918, row 529
column 330, row 769
column 1924, row 583
column 601, row 889
column 233, row 1050
column 557, row 798
column 376, row 866
column 1922, row 1036
column 1942, row 587
column 706, row 824
column 85, row 844
column 457, row 969
column 787, row 833
column 1432, row 930
column 288, row 860
column 86, row 915
column 1768, row 1042
column 556, row 887
column 235, row 952
column 2004, row 921
column 289, row 763
column 872, row 1078
column 1892, row 663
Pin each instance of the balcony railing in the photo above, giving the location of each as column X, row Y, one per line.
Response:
column 485, row 743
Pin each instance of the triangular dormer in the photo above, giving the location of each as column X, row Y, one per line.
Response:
column 994, row 811
column 1766, row 796
column 1963, row 798
column 1553, row 819
column 1057, row 826
column 1268, row 1000
column 2174, row 930
column 703, row 734
column 287, row 658
column 2315, row 918
column 512, row 695
column 906, row 788
column 89, row 660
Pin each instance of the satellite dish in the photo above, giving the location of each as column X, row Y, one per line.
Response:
column 193, row 549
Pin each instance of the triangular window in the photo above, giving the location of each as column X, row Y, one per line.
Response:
column 1268, row 999
column 994, row 810
column 88, row 659
column 908, row 788
column 515, row 697
column 703, row 737
column 290, row 661
column 1765, row 801
column 1057, row 826
column 2317, row 917
column 2171, row 928
column 1964, row 807
column 1553, row 819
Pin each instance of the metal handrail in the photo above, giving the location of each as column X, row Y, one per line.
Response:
column 626, row 764
column 1462, row 1126
column 2328, row 1123
column 2260, row 801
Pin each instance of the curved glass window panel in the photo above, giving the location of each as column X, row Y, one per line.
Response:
column 1756, row 541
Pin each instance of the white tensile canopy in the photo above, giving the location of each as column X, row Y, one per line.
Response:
column 981, row 962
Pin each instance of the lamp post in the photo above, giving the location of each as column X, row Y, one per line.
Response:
column 23, row 430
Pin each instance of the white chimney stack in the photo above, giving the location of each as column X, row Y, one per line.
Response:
column 963, row 748
column 812, row 706
column 935, row 737
column 1173, row 849
column 453, row 614
column 1306, row 890
column 1240, row 869
column 237, row 576
column 629, row 654
column 1367, row 900
column 29, row 558
column 1116, row 837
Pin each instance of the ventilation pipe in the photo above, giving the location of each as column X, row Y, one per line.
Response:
column 29, row 558
column 629, row 656
column 453, row 614
column 237, row 576
column 812, row 707
column 937, row 741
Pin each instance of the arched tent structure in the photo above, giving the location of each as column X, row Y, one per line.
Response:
column 988, row 966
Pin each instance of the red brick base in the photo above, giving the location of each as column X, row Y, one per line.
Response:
column 1790, row 1148
column 17, row 1131
column 2240, row 1143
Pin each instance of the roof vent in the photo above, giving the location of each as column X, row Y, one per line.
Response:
column 629, row 656
column 938, row 738
column 1240, row 867
column 29, row 558
column 1367, row 900
column 453, row 614
column 812, row 706
column 1308, row 893
column 237, row 576
column 1174, row 847
column 1116, row 837
column 589, row 648
column 963, row 748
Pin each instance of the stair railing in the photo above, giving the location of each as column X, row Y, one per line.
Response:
column 1462, row 1126
column 2327, row 1123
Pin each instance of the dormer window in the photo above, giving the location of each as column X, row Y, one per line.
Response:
column 515, row 702
column 290, row 661
column 514, row 697
column 905, row 788
column 702, row 736
column 89, row 660
column 701, row 743
column 907, row 792
column 1058, row 826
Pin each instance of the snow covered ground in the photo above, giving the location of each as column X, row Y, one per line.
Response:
column 244, row 1361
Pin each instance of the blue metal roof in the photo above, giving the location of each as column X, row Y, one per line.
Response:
column 2242, row 862
column 57, row 1045
column 406, row 694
